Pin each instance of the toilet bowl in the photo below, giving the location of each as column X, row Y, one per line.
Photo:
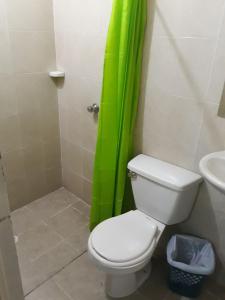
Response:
column 122, row 246
column 128, row 265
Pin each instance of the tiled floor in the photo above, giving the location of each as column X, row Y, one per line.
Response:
column 52, row 240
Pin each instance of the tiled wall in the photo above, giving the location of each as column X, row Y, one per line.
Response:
column 80, row 31
column 29, row 131
column 183, row 81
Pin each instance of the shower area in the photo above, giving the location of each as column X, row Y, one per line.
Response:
column 47, row 137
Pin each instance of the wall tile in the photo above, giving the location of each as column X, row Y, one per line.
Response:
column 72, row 157
column 30, row 15
column 81, row 55
column 53, row 178
column 32, row 51
column 3, row 19
column 98, row 15
column 35, row 92
column 89, row 131
column 29, row 126
column 88, row 165
column 49, row 122
column 51, row 153
column 87, row 193
column 186, row 18
column 10, row 134
column 5, row 62
column 8, row 99
column 14, row 165
column 168, row 132
column 18, row 191
column 218, row 69
column 73, row 182
column 181, row 66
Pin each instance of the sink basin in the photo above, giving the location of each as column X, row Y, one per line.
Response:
column 212, row 167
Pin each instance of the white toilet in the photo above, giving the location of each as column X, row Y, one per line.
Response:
column 122, row 246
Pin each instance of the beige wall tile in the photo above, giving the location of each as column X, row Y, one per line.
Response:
column 89, row 131
column 35, row 92
column 32, row 51
column 181, row 65
column 3, row 19
column 18, row 191
column 73, row 182
column 49, row 122
column 72, row 157
column 216, row 83
column 81, row 55
column 29, row 126
column 185, row 18
column 30, row 14
column 14, row 164
column 5, row 59
column 87, row 191
column 10, row 134
column 88, row 164
column 52, row 153
column 8, row 99
column 53, row 178
column 168, row 132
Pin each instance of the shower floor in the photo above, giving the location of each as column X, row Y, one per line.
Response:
column 51, row 236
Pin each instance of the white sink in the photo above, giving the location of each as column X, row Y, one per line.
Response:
column 212, row 167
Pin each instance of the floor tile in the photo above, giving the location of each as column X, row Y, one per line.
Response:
column 79, row 240
column 135, row 296
column 67, row 222
column 50, row 204
column 70, row 197
column 156, row 284
column 38, row 241
column 82, row 207
column 204, row 296
column 48, row 291
column 24, row 219
column 82, row 280
column 214, row 289
column 35, row 273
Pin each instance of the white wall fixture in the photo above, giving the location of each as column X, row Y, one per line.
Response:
column 57, row 74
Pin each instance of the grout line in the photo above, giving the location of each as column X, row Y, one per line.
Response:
column 57, row 272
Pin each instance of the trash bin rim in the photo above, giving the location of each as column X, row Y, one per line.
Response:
column 198, row 270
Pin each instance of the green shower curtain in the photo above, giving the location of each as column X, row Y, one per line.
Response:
column 120, row 93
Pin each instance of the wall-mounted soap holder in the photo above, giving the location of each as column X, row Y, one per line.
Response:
column 56, row 74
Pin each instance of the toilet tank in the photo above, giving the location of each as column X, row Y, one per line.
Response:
column 161, row 190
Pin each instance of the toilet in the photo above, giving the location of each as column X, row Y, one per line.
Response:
column 122, row 246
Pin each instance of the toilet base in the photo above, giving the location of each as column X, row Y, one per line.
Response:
column 118, row 286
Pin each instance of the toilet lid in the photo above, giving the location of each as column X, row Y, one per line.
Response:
column 124, row 238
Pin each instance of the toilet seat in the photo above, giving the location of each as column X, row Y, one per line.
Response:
column 133, row 232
